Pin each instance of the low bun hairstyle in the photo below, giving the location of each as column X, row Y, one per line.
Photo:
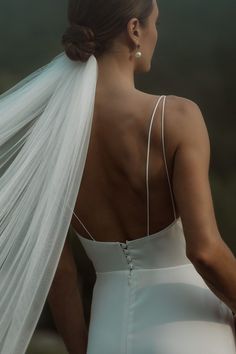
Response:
column 94, row 24
column 79, row 42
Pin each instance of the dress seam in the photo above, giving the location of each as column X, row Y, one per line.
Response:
column 142, row 269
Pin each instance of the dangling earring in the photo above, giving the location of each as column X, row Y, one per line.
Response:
column 138, row 54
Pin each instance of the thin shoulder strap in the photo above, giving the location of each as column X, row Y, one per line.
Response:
column 148, row 152
column 83, row 225
column 164, row 155
column 147, row 162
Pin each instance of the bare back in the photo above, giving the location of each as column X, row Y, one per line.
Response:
column 112, row 199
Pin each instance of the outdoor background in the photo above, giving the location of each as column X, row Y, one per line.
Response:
column 195, row 58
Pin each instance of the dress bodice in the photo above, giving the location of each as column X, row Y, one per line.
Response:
column 166, row 248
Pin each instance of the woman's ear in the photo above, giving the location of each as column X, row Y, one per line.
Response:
column 134, row 30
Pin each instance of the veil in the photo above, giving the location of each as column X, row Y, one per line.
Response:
column 45, row 126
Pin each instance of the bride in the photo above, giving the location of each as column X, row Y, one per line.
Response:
column 81, row 146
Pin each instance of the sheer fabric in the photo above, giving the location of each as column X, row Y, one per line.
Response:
column 45, row 126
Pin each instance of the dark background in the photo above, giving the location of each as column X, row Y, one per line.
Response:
column 195, row 58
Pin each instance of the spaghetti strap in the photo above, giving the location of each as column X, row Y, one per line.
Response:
column 147, row 161
column 164, row 155
column 84, row 226
column 147, row 164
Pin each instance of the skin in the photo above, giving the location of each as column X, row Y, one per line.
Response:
column 113, row 186
column 120, row 126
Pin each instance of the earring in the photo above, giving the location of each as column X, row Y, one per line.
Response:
column 138, row 54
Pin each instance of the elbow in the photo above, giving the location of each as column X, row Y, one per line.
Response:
column 203, row 258
column 199, row 260
column 213, row 256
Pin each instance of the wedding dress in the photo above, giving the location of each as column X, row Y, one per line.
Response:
column 148, row 297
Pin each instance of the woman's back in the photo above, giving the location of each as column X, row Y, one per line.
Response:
column 147, row 293
column 112, row 199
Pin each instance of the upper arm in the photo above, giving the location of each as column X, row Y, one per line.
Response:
column 191, row 181
column 66, row 265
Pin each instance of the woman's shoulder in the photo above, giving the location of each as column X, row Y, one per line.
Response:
column 186, row 126
column 182, row 115
column 186, row 116
column 182, row 106
column 176, row 104
column 183, row 121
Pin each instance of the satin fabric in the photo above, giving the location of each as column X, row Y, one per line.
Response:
column 162, row 305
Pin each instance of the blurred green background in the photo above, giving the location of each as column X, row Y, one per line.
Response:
column 195, row 57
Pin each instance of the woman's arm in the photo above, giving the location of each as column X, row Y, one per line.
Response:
column 210, row 255
column 66, row 304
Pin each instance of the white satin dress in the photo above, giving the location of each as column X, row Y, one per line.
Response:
column 148, row 297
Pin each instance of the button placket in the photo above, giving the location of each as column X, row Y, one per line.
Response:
column 128, row 258
column 130, row 273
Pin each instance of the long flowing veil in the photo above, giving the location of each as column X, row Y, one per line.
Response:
column 45, row 126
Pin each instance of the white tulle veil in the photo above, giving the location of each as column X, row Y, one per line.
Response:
column 45, row 126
